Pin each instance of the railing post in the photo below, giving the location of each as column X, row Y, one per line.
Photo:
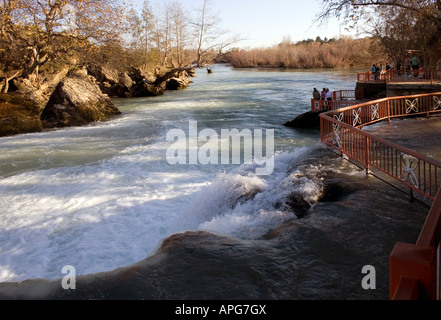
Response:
column 414, row 262
column 388, row 111
column 367, row 154
column 322, row 122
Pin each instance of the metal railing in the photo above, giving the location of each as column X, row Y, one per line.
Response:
column 319, row 105
column 397, row 76
column 371, row 77
column 414, row 269
column 348, row 94
column 340, row 99
column 424, row 76
column 342, row 130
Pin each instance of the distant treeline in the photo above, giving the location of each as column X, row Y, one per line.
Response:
column 341, row 53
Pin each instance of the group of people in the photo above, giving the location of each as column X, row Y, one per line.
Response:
column 409, row 64
column 378, row 70
column 324, row 95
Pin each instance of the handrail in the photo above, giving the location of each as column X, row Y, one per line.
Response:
column 319, row 105
column 341, row 129
column 397, row 76
column 371, row 77
column 430, row 235
column 348, row 94
column 414, row 269
column 340, row 99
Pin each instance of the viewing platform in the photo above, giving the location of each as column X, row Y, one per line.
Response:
column 340, row 99
column 407, row 155
column 415, row 268
column 398, row 83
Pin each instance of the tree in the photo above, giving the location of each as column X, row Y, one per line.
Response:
column 147, row 19
column 210, row 38
column 34, row 33
column 420, row 18
column 161, row 34
column 180, row 26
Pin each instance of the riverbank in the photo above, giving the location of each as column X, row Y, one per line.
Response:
column 332, row 53
column 80, row 96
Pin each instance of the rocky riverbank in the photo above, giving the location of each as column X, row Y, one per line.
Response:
column 80, row 96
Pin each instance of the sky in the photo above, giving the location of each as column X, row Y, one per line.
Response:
column 264, row 23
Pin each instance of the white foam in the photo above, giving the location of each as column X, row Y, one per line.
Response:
column 243, row 204
column 103, row 196
column 94, row 217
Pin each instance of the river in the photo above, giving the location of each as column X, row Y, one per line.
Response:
column 106, row 196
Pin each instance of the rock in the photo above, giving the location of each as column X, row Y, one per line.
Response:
column 181, row 73
column 176, row 84
column 137, row 75
column 310, row 119
column 146, row 89
column 135, row 83
column 111, row 81
column 19, row 113
column 191, row 72
column 298, row 204
column 77, row 100
column 103, row 74
column 336, row 190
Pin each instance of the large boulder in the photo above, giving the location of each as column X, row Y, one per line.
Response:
column 176, row 84
column 136, row 83
column 310, row 119
column 112, row 82
column 77, row 100
column 19, row 113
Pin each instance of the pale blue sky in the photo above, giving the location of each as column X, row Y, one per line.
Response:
column 267, row 22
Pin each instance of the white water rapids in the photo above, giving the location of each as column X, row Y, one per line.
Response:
column 103, row 196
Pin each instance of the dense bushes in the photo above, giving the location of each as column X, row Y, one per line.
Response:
column 345, row 52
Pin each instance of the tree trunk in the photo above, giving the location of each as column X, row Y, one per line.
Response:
column 5, row 87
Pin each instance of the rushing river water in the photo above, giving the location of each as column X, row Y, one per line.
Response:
column 104, row 196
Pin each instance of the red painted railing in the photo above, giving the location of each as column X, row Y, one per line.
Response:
column 397, row 76
column 371, row 77
column 414, row 268
column 319, row 105
column 348, row 94
column 341, row 129
column 340, row 99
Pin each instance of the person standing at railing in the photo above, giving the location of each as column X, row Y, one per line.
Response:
column 374, row 71
column 380, row 72
column 323, row 94
column 328, row 95
column 316, row 94
column 415, row 62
